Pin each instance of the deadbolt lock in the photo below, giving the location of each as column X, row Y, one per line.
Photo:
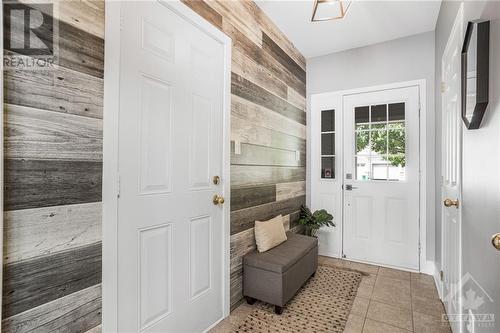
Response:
column 495, row 240
column 216, row 180
column 450, row 202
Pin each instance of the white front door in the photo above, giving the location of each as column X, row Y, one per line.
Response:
column 381, row 177
column 170, row 232
column 451, row 129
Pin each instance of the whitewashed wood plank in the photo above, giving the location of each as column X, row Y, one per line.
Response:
column 85, row 15
column 290, row 190
column 253, row 175
column 253, row 114
column 40, row 134
column 296, row 99
column 58, row 314
column 97, row 329
column 33, row 232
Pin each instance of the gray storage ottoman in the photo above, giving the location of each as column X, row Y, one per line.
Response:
column 276, row 275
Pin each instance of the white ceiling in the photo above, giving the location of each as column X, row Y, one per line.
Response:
column 366, row 23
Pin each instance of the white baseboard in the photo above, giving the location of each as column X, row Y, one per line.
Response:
column 428, row 268
column 329, row 254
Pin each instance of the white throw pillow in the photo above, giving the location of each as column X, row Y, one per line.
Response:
column 269, row 234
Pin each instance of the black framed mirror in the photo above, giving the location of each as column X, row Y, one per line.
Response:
column 475, row 73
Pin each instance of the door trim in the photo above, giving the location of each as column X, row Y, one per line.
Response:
column 334, row 100
column 110, row 181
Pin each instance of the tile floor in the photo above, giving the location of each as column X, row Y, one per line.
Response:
column 388, row 301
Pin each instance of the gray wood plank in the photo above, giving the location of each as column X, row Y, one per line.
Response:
column 247, row 116
column 34, row 232
column 30, row 283
column 260, row 155
column 270, row 46
column 58, row 89
column 76, row 49
column 40, row 134
column 255, row 52
column 250, row 91
column 245, row 218
column 65, row 314
column 250, row 70
column 290, row 190
column 252, row 175
column 80, row 50
column 42, row 183
column 245, row 197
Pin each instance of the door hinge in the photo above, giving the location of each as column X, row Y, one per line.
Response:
column 118, row 187
column 443, row 87
column 441, row 275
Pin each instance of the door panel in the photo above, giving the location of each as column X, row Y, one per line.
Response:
column 381, row 177
column 170, row 146
column 451, row 173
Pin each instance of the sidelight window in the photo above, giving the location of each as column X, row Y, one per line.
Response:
column 328, row 144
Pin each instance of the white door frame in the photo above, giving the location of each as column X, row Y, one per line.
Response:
column 334, row 100
column 110, row 181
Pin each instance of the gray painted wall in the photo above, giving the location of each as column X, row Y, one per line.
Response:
column 481, row 163
column 404, row 59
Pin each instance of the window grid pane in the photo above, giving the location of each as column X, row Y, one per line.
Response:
column 380, row 142
column 328, row 144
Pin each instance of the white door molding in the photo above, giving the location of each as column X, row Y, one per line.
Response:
column 110, row 194
column 334, row 99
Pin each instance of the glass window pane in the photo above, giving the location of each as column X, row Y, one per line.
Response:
column 379, row 113
column 328, row 167
column 362, row 140
column 328, row 144
column 362, row 167
column 378, row 167
column 378, row 142
column 397, row 125
column 397, row 170
column 361, row 115
column 397, row 144
column 328, row 121
column 396, row 111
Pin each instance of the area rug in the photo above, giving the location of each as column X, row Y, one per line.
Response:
column 321, row 305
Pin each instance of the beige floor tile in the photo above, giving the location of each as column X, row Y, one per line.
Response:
column 360, row 306
column 369, row 279
column 424, row 289
column 422, row 278
column 429, row 324
column 371, row 269
column 224, row 326
column 394, row 273
column 372, row 326
column 389, row 314
column 331, row 261
column 392, row 291
column 240, row 313
column 354, row 324
column 365, row 290
column 427, row 306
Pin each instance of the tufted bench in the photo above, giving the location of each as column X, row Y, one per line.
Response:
column 276, row 275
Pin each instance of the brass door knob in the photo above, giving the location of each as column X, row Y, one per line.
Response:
column 218, row 199
column 495, row 240
column 450, row 202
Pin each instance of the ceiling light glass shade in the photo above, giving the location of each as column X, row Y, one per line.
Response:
column 324, row 10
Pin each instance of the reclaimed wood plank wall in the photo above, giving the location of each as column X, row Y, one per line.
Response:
column 268, row 124
column 52, row 181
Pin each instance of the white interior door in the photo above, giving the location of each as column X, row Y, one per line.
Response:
column 170, row 233
column 381, row 177
column 451, row 171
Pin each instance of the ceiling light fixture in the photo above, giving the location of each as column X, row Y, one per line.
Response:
column 325, row 10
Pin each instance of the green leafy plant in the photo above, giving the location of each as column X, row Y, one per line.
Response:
column 314, row 221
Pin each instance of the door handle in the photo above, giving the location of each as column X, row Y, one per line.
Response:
column 218, row 200
column 495, row 241
column 450, row 202
column 350, row 187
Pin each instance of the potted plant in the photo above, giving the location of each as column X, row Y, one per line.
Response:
column 313, row 221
